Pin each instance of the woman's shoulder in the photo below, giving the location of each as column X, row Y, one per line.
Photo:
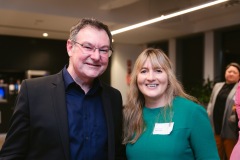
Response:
column 183, row 100
column 218, row 84
column 186, row 104
column 187, row 111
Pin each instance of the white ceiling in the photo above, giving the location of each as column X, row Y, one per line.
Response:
column 33, row 17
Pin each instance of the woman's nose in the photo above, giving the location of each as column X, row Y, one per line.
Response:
column 151, row 76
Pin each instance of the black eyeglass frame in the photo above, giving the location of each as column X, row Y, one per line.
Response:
column 110, row 50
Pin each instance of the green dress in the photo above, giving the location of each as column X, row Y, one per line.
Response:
column 191, row 137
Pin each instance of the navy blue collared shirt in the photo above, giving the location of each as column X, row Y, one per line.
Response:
column 86, row 120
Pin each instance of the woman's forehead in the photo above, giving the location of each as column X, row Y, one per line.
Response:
column 151, row 63
column 154, row 61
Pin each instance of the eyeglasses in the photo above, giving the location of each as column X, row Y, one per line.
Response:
column 87, row 47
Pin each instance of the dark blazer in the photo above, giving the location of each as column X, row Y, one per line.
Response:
column 39, row 125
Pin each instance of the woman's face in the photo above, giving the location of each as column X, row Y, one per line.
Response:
column 232, row 75
column 152, row 82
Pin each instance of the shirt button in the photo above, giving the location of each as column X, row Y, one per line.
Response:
column 86, row 138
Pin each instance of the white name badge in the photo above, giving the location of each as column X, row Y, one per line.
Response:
column 163, row 128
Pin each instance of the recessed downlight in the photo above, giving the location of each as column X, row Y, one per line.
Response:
column 45, row 34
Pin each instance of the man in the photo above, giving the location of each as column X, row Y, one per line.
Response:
column 70, row 115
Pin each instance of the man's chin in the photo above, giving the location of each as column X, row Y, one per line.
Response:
column 94, row 75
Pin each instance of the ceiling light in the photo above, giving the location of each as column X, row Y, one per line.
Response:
column 163, row 17
column 45, row 34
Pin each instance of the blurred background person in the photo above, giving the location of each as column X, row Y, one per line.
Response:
column 221, row 112
column 161, row 121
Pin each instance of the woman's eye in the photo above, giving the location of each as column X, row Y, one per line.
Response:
column 143, row 71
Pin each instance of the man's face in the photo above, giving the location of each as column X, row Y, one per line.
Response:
column 84, row 64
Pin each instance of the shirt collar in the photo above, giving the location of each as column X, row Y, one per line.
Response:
column 68, row 80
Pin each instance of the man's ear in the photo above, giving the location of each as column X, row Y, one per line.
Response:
column 69, row 47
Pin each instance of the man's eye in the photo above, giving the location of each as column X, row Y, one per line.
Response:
column 103, row 50
column 88, row 47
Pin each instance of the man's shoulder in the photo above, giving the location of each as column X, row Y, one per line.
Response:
column 54, row 79
column 110, row 91
column 109, row 87
column 44, row 78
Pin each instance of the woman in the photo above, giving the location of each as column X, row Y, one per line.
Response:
column 236, row 150
column 221, row 112
column 161, row 121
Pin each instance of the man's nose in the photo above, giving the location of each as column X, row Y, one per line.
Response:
column 95, row 54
